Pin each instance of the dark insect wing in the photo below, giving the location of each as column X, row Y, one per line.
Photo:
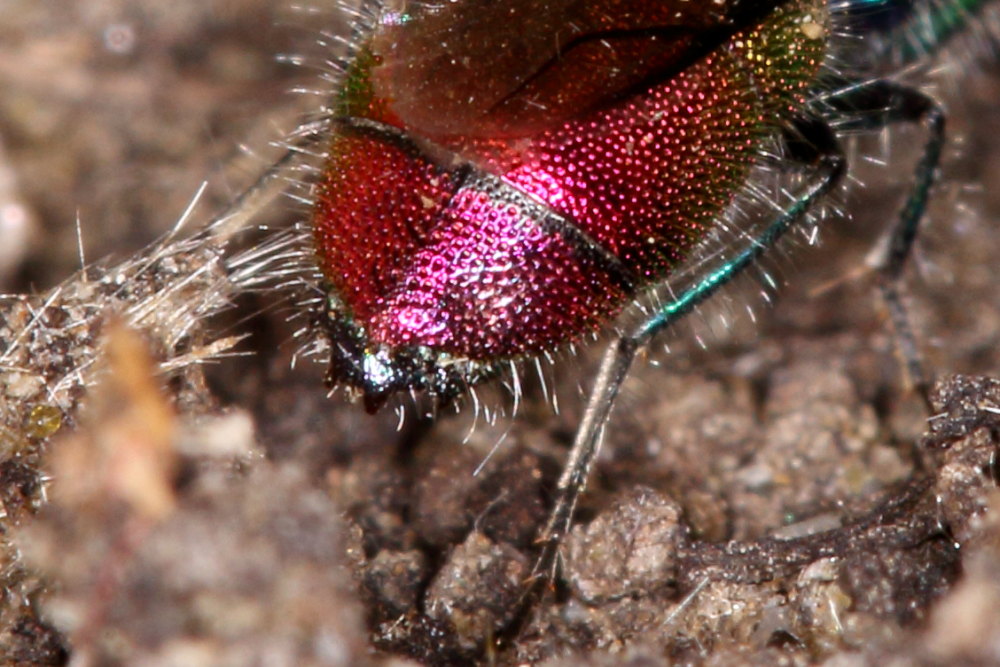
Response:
column 511, row 69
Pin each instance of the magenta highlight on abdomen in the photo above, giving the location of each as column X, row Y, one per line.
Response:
column 505, row 177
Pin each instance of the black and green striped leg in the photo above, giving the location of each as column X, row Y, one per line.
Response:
column 855, row 106
column 814, row 146
column 875, row 105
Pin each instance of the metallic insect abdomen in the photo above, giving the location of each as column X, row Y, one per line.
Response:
column 435, row 235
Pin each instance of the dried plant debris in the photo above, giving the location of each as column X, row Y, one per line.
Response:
column 163, row 558
column 50, row 352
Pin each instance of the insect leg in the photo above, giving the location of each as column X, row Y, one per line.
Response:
column 874, row 105
column 816, row 146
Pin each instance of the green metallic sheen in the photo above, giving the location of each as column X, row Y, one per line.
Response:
column 930, row 27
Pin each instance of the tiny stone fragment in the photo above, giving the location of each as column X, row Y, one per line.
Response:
column 630, row 548
column 394, row 578
column 820, row 604
column 43, row 421
column 477, row 590
column 965, row 626
column 504, row 499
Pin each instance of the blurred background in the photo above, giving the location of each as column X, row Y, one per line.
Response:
column 114, row 112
